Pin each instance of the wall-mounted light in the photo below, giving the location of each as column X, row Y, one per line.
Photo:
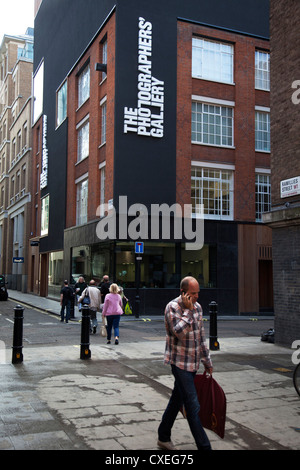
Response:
column 101, row 67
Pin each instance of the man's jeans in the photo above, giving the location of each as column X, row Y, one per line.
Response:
column 66, row 304
column 184, row 392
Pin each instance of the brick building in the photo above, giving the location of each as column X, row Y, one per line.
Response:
column 16, row 66
column 176, row 114
column 285, row 161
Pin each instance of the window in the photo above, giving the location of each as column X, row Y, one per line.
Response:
column 25, row 136
column 83, row 140
column 158, row 268
column 262, row 70
column 38, row 93
column 201, row 264
column 102, row 185
column 262, row 195
column 82, row 202
column 214, row 189
column 262, row 131
column 103, row 122
column 212, row 60
column 61, row 104
column 104, row 57
column 45, row 216
column 212, row 125
column 84, row 86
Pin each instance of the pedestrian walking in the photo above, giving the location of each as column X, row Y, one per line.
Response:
column 185, row 347
column 112, row 310
column 66, row 295
column 79, row 288
column 95, row 301
column 104, row 287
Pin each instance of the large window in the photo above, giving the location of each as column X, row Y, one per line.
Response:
column 201, row 264
column 45, row 216
column 61, row 104
column 262, row 195
column 157, row 268
column 104, row 57
column 103, row 121
column 38, row 92
column 91, row 262
column 55, row 273
column 262, row 131
column 82, row 202
column 262, row 70
column 211, row 124
column 212, row 60
column 84, row 85
column 214, row 189
column 83, row 140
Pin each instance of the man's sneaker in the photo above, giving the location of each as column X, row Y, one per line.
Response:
column 166, row 445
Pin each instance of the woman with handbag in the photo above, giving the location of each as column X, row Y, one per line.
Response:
column 112, row 310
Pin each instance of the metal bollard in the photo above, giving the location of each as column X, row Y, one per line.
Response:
column 85, row 352
column 213, row 334
column 17, row 355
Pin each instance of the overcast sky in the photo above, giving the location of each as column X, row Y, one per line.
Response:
column 16, row 16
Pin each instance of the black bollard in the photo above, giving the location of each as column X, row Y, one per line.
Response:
column 17, row 355
column 85, row 352
column 213, row 333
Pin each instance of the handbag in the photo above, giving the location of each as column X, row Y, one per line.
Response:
column 128, row 310
column 103, row 330
column 212, row 402
column 86, row 299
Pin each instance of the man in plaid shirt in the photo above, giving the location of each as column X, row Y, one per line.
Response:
column 185, row 348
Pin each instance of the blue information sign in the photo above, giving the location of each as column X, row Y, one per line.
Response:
column 139, row 248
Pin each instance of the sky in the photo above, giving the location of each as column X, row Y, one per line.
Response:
column 16, row 16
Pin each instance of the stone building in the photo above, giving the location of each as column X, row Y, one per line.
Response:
column 16, row 66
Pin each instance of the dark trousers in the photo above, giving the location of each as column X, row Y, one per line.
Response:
column 66, row 304
column 184, row 393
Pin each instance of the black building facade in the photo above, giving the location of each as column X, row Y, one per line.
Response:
column 145, row 165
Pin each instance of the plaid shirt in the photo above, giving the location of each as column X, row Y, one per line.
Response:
column 185, row 339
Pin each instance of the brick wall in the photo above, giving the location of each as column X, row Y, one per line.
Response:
column 285, row 163
column 243, row 93
column 285, row 116
column 286, row 266
column 97, row 154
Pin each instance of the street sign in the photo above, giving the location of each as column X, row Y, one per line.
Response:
column 139, row 248
column 290, row 187
column 18, row 260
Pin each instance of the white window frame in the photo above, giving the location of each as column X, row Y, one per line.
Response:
column 103, row 120
column 61, row 103
column 102, row 168
column 38, row 93
column 214, row 176
column 262, row 70
column 212, row 60
column 104, row 57
column 45, row 204
column 213, row 109
column 262, row 182
column 82, row 199
column 83, row 132
column 84, row 86
column 262, row 129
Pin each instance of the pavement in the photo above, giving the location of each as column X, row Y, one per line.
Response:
column 114, row 401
